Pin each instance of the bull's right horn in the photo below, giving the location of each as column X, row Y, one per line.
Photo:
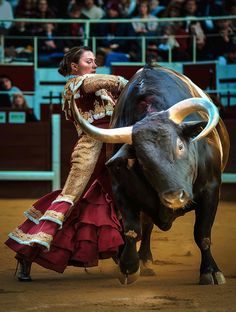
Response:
column 182, row 109
column 117, row 135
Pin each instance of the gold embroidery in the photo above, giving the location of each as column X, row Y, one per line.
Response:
column 34, row 213
column 109, row 109
column 30, row 238
column 99, row 110
column 54, row 214
column 83, row 162
column 87, row 115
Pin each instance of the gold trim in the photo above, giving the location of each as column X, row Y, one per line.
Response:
column 29, row 238
column 34, row 213
column 54, row 214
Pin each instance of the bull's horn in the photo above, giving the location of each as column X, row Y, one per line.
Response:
column 118, row 135
column 182, row 109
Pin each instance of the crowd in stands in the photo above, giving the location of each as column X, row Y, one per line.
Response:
column 212, row 39
column 12, row 98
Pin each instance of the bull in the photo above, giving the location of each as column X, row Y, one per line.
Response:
column 171, row 147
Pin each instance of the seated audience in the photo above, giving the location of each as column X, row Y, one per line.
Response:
column 7, row 85
column 50, row 48
column 145, row 28
column 18, row 46
column 43, row 11
column 72, row 29
column 19, row 103
column 91, row 10
column 127, row 8
column 113, row 34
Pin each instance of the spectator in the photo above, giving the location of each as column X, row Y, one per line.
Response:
column 222, row 38
column 194, row 29
column 169, row 44
column 145, row 28
column 189, row 9
column 155, row 7
column 209, row 8
column 178, row 41
column 25, row 8
column 127, row 8
column 7, row 85
column 6, row 14
column 60, row 11
column 19, row 103
column 73, row 29
column 50, row 48
column 42, row 11
column 17, row 47
column 91, row 10
column 110, row 32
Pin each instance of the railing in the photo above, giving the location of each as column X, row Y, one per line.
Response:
column 88, row 39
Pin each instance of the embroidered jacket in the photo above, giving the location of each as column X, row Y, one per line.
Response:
column 95, row 95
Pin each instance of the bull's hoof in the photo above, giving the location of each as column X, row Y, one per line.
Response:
column 215, row 278
column 126, row 279
column 146, row 269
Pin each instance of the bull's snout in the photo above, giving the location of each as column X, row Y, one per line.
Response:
column 175, row 199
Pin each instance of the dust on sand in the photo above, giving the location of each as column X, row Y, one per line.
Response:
column 174, row 288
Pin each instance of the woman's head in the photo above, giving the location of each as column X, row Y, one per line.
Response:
column 78, row 61
column 5, row 82
column 19, row 101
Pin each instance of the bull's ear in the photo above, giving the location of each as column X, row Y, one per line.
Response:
column 191, row 129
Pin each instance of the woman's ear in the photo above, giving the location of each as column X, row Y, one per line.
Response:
column 74, row 67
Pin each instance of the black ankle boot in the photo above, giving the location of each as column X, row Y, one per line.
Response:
column 23, row 270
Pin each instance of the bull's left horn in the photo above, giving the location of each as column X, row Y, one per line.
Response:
column 182, row 109
column 117, row 135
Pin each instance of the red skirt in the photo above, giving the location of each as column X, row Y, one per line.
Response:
column 91, row 232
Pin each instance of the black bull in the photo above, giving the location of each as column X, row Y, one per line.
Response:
column 168, row 160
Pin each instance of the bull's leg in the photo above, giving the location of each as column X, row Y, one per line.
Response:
column 205, row 215
column 129, row 259
column 145, row 253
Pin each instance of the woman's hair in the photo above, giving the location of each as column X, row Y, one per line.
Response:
column 14, row 105
column 72, row 56
column 2, row 77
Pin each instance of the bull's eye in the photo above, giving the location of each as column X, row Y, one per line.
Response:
column 180, row 147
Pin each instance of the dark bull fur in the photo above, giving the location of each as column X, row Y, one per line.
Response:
column 163, row 174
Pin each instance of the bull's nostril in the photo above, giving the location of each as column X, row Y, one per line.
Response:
column 175, row 199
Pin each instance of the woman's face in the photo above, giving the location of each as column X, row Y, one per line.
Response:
column 87, row 64
column 6, row 83
column 19, row 100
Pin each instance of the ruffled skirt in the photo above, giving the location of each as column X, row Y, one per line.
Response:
column 91, row 231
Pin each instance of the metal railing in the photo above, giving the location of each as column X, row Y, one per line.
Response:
column 89, row 39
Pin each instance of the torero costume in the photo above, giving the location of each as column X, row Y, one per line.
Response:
column 78, row 224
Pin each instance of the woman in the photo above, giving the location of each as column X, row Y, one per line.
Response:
column 19, row 103
column 8, row 86
column 76, row 225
